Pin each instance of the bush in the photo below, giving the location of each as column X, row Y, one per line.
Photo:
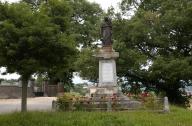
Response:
column 73, row 101
column 65, row 102
column 151, row 101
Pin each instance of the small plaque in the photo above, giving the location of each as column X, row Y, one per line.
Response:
column 107, row 72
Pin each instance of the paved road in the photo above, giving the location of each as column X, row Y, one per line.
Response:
column 34, row 104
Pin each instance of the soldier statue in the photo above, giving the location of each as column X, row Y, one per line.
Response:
column 106, row 32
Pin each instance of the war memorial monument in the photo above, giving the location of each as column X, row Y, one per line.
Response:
column 107, row 64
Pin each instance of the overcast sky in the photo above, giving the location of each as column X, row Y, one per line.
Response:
column 104, row 4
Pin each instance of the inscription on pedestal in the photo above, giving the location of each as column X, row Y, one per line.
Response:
column 107, row 72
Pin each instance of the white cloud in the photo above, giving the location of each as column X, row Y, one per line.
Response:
column 8, row 76
column 78, row 80
column 105, row 4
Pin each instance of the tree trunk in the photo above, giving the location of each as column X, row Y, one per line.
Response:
column 24, row 94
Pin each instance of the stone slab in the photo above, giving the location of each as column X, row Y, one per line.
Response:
column 107, row 73
column 107, row 90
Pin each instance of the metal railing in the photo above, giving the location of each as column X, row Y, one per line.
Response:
column 158, row 104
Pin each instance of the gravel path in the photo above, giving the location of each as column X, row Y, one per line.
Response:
column 34, row 104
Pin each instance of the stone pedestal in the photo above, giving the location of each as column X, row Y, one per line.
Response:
column 107, row 91
column 107, row 71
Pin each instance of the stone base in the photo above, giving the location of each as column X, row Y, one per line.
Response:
column 107, row 90
column 107, row 67
column 121, row 101
column 107, row 53
column 106, row 49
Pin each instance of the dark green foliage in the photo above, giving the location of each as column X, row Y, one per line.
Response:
column 85, row 28
column 82, row 23
column 65, row 102
column 41, row 36
column 86, row 22
column 159, row 33
column 31, row 42
column 34, row 3
column 88, row 65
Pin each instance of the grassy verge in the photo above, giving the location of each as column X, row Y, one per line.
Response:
column 177, row 117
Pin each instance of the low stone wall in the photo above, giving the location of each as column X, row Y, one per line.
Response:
column 13, row 92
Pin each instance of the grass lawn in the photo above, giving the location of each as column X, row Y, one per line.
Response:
column 177, row 117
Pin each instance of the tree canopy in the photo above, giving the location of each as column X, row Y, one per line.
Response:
column 159, row 34
column 42, row 37
column 155, row 45
column 31, row 42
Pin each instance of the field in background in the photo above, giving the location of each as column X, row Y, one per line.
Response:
column 177, row 117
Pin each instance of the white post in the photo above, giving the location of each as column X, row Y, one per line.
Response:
column 109, row 107
column 166, row 105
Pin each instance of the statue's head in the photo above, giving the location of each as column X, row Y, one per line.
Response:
column 106, row 19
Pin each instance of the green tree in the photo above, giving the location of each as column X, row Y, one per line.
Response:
column 86, row 30
column 87, row 65
column 60, row 13
column 34, row 3
column 86, row 22
column 159, row 34
column 31, row 43
column 84, row 27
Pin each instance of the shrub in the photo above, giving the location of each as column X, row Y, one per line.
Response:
column 151, row 101
column 73, row 101
column 65, row 102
